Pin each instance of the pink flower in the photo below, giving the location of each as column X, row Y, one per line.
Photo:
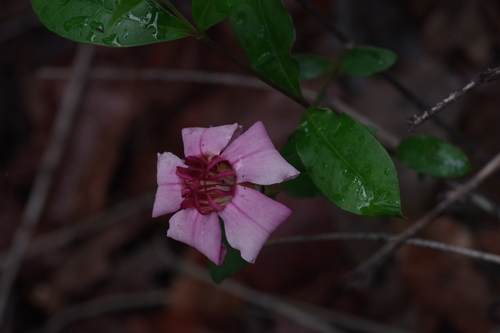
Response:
column 217, row 178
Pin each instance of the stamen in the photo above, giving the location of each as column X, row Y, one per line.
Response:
column 224, row 174
column 209, row 183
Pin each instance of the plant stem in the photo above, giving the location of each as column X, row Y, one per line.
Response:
column 201, row 36
column 299, row 99
column 321, row 94
column 194, row 30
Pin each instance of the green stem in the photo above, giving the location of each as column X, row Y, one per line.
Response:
column 200, row 35
column 333, row 75
column 299, row 99
column 193, row 29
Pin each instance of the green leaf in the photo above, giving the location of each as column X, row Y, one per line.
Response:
column 227, row 6
column 123, row 7
column 266, row 33
column 371, row 129
column 432, row 156
column 312, row 66
column 86, row 21
column 348, row 164
column 232, row 262
column 366, row 60
column 302, row 186
column 206, row 13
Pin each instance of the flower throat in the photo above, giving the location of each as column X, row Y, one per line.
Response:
column 209, row 183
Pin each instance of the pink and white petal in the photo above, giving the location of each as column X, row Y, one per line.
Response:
column 167, row 165
column 168, row 196
column 255, row 160
column 200, row 141
column 249, row 219
column 200, row 231
column 168, row 199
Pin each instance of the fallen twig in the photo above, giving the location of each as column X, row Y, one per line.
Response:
column 119, row 213
column 385, row 238
column 107, row 304
column 364, row 271
column 50, row 160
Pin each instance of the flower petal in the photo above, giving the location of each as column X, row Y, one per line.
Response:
column 255, row 160
column 168, row 199
column 249, row 219
column 167, row 165
column 200, row 141
column 200, row 231
column 168, row 196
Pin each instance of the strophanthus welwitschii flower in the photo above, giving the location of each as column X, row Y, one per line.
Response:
column 217, row 178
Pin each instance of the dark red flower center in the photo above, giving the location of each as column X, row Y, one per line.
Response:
column 209, row 183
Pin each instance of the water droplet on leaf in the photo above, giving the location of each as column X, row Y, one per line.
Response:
column 75, row 22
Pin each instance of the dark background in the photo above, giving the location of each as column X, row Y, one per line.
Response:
column 96, row 242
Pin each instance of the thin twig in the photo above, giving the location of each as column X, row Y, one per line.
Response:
column 107, row 304
column 326, row 22
column 487, row 76
column 170, row 75
column 50, row 160
column 273, row 304
column 122, row 212
column 349, row 43
column 364, row 271
column 385, row 238
column 313, row 316
column 350, row 322
column 387, row 139
column 407, row 94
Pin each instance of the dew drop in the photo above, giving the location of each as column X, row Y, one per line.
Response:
column 112, row 40
column 75, row 22
column 153, row 26
column 97, row 26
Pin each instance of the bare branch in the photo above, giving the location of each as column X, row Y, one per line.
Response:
column 487, row 76
column 50, row 160
column 107, row 304
column 273, row 304
column 364, row 271
column 388, row 140
column 385, row 238
column 313, row 317
column 122, row 212
column 171, row 75
column 327, row 23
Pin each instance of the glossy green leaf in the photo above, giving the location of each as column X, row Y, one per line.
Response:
column 432, row 156
column 366, row 60
column 371, row 129
column 348, row 164
column 232, row 262
column 302, row 186
column 312, row 66
column 123, row 7
column 266, row 33
column 227, row 6
column 206, row 13
column 86, row 21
